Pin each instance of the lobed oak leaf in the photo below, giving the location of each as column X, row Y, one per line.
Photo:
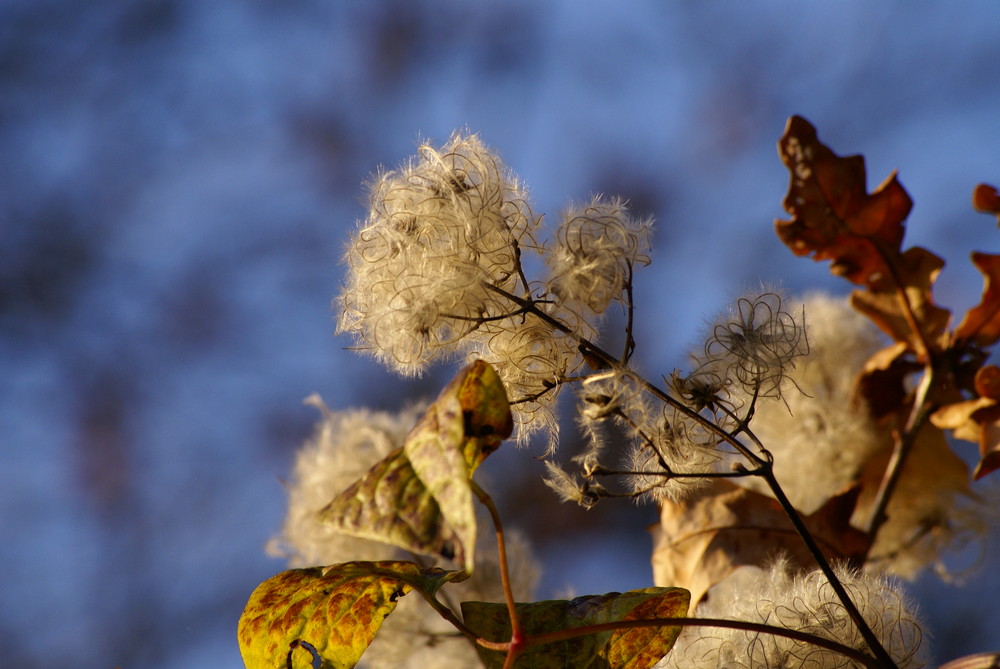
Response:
column 700, row 541
column 419, row 496
column 834, row 218
column 981, row 324
column 634, row 648
column 334, row 613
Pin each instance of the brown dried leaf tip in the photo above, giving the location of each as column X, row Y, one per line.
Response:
column 981, row 325
column 986, row 198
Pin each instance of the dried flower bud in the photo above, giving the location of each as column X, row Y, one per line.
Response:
column 821, row 429
column 531, row 357
column 664, row 461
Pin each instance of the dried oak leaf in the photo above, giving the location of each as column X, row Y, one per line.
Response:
column 835, row 218
column 977, row 420
column 987, row 382
column 700, row 541
column 981, row 325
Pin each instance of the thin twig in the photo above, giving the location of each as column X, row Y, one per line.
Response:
column 602, row 471
column 615, row 363
column 650, row 442
column 866, row 631
column 520, row 268
column 901, row 450
column 517, row 632
column 629, row 309
column 448, row 615
column 487, row 319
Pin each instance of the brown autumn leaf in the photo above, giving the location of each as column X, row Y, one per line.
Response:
column 987, row 382
column 957, row 417
column 986, row 198
column 700, row 541
column 978, row 421
column 981, row 325
column 881, row 384
column 990, row 462
column 975, row 661
column 834, row 218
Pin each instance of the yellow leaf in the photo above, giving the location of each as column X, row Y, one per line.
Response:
column 334, row 611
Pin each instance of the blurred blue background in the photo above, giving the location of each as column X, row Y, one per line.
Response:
column 177, row 181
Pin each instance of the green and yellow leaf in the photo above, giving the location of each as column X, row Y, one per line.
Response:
column 419, row 497
column 391, row 504
column 631, row 648
column 334, row 611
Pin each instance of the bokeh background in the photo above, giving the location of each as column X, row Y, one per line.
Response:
column 177, row 181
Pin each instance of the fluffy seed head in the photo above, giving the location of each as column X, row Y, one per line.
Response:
column 596, row 247
column 755, row 345
column 819, row 437
column 438, row 231
column 805, row 603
